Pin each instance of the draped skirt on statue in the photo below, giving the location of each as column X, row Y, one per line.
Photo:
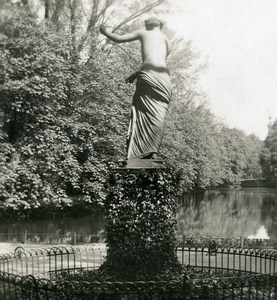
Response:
column 149, row 107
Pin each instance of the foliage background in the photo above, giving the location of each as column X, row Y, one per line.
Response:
column 65, row 109
column 268, row 156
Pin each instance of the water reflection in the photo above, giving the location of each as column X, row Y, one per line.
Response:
column 217, row 213
column 41, row 230
column 229, row 213
column 260, row 234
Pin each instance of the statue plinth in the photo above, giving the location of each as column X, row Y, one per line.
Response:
column 137, row 163
column 140, row 222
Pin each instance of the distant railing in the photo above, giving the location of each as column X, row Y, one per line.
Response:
column 230, row 242
column 74, row 238
column 211, row 272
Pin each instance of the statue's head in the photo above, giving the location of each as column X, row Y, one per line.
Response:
column 153, row 22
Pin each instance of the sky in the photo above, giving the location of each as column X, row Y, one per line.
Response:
column 238, row 38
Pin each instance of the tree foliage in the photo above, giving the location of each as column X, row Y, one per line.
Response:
column 61, row 122
column 269, row 155
column 209, row 153
column 65, row 109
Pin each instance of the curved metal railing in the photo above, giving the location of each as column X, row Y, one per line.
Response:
column 212, row 271
column 39, row 262
column 229, row 258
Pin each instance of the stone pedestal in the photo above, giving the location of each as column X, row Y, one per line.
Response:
column 140, row 224
column 138, row 164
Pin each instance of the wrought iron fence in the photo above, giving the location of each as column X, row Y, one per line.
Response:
column 71, row 238
column 229, row 259
column 231, row 242
column 74, row 238
column 211, row 272
column 40, row 262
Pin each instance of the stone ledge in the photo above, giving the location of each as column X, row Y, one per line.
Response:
column 137, row 163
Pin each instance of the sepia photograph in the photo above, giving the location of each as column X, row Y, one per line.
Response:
column 138, row 149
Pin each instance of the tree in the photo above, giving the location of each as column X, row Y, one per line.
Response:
column 253, row 168
column 269, row 155
column 63, row 118
column 209, row 153
column 65, row 112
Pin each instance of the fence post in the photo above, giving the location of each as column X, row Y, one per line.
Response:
column 241, row 242
column 25, row 237
column 74, row 238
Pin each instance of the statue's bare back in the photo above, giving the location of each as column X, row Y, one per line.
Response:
column 155, row 46
column 154, row 49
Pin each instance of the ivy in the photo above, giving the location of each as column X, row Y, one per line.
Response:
column 140, row 225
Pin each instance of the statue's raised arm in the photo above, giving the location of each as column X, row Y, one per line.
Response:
column 117, row 38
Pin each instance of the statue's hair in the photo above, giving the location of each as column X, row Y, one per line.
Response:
column 153, row 22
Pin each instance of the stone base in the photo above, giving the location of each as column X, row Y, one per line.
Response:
column 140, row 224
column 137, row 163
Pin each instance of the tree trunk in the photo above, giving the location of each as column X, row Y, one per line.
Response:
column 46, row 15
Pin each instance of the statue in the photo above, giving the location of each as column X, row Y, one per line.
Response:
column 153, row 90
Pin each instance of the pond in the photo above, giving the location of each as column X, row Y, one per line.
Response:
column 230, row 213
column 246, row 212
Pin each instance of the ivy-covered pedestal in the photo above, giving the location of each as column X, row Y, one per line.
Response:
column 140, row 225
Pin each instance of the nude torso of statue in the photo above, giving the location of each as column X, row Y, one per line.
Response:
column 155, row 47
column 154, row 50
